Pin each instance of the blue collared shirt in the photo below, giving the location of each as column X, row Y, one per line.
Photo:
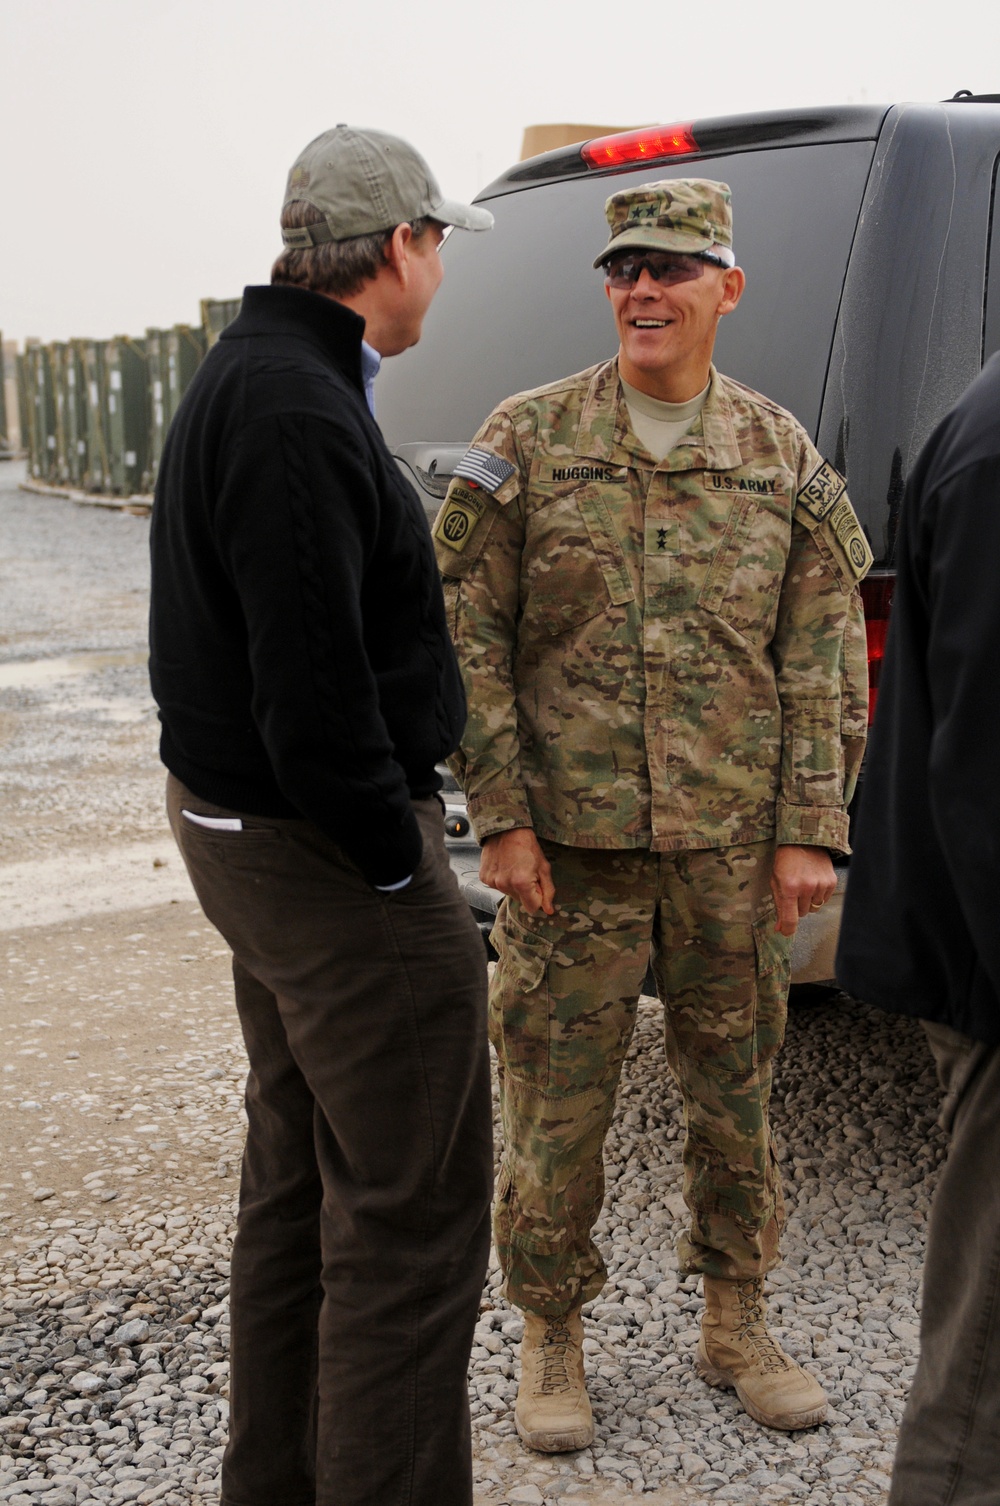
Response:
column 370, row 363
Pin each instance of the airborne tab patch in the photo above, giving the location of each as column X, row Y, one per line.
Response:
column 822, row 491
column 459, row 516
column 843, row 521
column 484, row 468
column 843, row 524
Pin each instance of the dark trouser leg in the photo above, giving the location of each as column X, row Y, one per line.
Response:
column 380, row 1003
column 275, row 1287
column 722, row 973
column 949, row 1441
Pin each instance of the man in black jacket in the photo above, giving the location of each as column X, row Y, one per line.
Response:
column 921, row 934
column 307, row 688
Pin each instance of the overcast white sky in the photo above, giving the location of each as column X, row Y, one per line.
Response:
column 144, row 143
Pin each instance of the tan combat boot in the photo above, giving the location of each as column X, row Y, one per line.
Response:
column 735, row 1350
column 552, row 1412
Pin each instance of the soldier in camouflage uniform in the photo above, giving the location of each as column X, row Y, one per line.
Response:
column 651, row 577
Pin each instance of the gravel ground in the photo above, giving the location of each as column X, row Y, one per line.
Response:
column 120, row 1116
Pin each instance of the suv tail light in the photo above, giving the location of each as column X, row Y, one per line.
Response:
column 876, row 595
column 647, row 145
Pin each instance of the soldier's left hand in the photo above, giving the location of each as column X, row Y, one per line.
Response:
column 802, row 879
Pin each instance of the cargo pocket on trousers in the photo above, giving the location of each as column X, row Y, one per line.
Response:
column 773, row 968
column 519, row 1002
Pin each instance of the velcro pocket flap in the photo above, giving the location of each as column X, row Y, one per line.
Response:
column 727, row 556
column 525, row 956
column 771, row 946
column 606, row 544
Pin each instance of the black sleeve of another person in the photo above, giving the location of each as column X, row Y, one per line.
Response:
column 959, row 544
column 303, row 558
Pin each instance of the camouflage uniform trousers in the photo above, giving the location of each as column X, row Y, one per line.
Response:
column 562, row 1011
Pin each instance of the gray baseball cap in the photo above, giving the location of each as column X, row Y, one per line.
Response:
column 365, row 181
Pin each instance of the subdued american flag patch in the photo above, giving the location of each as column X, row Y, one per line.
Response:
column 486, row 470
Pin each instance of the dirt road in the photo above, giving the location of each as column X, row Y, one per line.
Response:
column 122, row 1066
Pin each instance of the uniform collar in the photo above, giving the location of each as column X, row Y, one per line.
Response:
column 605, row 432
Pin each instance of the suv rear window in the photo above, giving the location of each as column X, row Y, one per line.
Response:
column 521, row 305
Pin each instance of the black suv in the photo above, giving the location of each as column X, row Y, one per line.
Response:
column 873, row 298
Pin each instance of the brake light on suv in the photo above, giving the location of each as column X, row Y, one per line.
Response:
column 647, row 145
column 876, row 596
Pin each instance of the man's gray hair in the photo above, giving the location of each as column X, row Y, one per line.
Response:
column 339, row 268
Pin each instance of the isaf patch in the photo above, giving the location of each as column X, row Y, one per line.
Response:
column 829, row 515
column 822, row 491
column 459, row 516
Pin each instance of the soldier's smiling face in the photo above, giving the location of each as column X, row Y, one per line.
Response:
column 667, row 331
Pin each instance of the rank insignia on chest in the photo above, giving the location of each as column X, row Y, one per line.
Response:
column 459, row 516
column 822, row 491
column 661, row 536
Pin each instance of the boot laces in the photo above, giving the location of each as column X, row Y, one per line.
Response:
column 753, row 1328
column 555, row 1351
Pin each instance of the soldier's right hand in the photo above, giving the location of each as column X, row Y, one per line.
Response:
column 514, row 863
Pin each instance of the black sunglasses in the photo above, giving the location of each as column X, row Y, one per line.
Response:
column 668, row 267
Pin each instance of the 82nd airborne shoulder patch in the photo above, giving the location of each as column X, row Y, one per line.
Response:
column 860, row 555
column 459, row 516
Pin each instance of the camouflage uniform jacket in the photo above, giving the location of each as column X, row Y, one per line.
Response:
column 668, row 656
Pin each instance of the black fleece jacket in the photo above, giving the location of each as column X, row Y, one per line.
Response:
column 921, row 926
column 299, row 652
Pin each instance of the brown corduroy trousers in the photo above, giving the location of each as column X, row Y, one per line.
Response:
column 949, row 1441
column 363, row 1227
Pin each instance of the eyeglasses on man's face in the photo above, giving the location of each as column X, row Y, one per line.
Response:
column 668, row 267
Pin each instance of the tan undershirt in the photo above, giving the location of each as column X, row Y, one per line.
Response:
column 660, row 425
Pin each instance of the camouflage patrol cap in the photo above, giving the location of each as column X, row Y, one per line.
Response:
column 366, row 181
column 676, row 214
